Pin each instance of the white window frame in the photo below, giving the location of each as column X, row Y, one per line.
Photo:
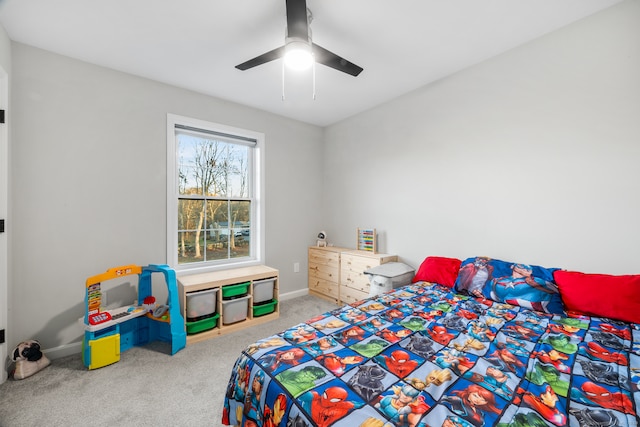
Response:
column 257, row 241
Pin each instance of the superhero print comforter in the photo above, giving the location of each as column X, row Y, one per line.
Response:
column 422, row 355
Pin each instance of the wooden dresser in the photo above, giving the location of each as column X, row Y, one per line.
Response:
column 354, row 284
column 324, row 272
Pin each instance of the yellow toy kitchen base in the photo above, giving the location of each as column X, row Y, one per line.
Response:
column 111, row 332
column 102, row 351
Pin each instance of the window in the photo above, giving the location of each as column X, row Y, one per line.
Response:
column 214, row 181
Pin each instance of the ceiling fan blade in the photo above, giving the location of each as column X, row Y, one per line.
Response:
column 262, row 59
column 297, row 22
column 330, row 59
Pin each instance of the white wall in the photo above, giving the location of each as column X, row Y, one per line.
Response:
column 5, row 50
column 89, row 183
column 531, row 157
column 5, row 75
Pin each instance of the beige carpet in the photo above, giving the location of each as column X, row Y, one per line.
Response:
column 147, row 387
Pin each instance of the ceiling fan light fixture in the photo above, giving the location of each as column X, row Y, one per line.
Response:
column 298, row 55
column 298, row 50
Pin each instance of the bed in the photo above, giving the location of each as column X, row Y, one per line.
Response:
column 470, row 349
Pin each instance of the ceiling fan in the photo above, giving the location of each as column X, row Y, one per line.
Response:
column 298, row 38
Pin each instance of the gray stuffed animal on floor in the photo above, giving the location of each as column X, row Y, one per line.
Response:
column 29, row 359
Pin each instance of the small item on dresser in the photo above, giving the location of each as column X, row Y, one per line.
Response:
column 322, row 239
column 388, row 276
column 367, row 240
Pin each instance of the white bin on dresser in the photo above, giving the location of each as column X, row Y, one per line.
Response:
column 388, row 276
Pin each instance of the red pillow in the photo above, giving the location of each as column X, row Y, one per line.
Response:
column 601, row 295
column 440, row 270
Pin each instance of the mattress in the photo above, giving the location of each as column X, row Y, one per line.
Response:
column 422, row 355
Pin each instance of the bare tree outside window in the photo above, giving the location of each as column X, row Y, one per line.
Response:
column 214, row 204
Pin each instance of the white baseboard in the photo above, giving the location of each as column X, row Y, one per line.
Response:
column 294, row 294
column 63, row 350
column 76, row 347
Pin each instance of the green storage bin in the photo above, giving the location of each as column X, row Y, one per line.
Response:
column 264, row 308
column 233, row 291
column 202, row 325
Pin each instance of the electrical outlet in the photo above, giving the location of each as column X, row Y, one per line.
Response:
column 296, row 267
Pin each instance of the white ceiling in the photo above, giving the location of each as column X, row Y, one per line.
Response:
column 195, row 44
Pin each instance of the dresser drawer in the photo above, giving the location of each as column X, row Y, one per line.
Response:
column 354, row 279
column 322, row 271
column 356, row 263
column 349, row 295
column 323, row 287
column 329, row 259
column 362, row 262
